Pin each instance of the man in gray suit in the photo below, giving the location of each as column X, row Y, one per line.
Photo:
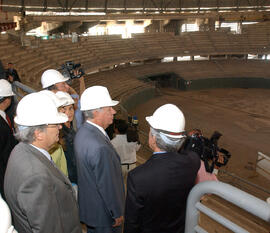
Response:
column 100, row 182
column 40, row 197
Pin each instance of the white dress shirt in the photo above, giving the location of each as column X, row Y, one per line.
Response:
column 99, row 127
column 44, row 152
column 126, row 150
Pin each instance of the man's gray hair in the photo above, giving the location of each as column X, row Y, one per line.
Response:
column 89, row 114
column 27, row 134
column 166, row 143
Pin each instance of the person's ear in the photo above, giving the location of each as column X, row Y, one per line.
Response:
column 154, row 140
column 38, row 135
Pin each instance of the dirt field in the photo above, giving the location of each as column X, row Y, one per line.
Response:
column 241, row 115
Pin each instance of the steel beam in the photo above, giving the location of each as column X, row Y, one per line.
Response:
column 125, row 6
column 86, row 5
column 168, row 3
column 66, row 5
column 105, row 5
column 180, row 5
column 226, row 16
column 45, row 5
column 60, row 4
column 162, row 5
column 22, row 5
column 153, row 2
column 72, row 4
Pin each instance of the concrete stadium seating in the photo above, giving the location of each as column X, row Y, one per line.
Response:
column 97, row 52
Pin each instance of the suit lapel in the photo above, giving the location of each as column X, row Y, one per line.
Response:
column 4, row 124
column 107, row 140
column 50, row 165
column 96, row 130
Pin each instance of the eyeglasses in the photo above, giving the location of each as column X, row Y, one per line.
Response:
column 53, row 126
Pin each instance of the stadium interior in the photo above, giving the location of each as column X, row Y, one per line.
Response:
column 209, row 57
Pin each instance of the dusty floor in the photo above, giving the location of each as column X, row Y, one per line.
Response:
column 241, row 115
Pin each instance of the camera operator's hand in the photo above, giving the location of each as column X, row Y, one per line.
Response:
column 75, row 72
column 219, row 160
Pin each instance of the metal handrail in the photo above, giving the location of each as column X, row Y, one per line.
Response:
column 25, row 88
column 228, row 192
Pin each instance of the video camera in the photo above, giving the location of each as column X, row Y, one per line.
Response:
column 207, row 149
column 71, row 70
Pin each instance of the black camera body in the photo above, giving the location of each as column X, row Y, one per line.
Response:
column 71, row 70
column 207, row 149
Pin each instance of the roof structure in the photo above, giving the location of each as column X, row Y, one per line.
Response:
column 135, row 5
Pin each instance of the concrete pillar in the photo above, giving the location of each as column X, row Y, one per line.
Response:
column 239, row 27
column 161, row 24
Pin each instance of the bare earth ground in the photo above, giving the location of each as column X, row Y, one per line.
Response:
column 241, row 115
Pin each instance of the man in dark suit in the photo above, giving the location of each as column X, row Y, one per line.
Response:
column 100, row 182
column 39, row 195
column 157, row 191
column 7, row 140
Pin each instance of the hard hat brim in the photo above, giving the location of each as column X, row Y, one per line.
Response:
column 7, row 95
column 63, row 102
column 60, row 81
column 58, row 119
column 151, row 121
column 65, row 99
column 111, row 104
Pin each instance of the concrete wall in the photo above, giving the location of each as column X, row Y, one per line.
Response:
column 137, row 98
column 223, row 83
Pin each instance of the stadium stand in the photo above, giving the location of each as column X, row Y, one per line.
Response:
column 97, row 52
column 123, row 64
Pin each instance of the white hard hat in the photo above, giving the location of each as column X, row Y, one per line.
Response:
column 38, row 109
column 51, row 77
column 5, row 88
column 57, row 101
column 169, row 120
column 65, row 97
column 96, row 97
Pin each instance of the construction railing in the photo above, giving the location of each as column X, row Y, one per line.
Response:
column 236, row 196
column 21, row 89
